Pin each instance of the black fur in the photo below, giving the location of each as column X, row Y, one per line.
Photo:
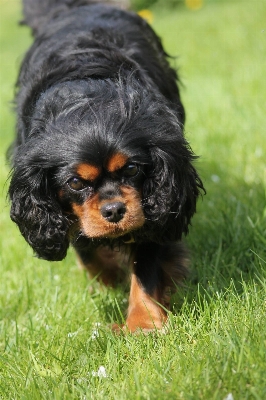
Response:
column 97, row 81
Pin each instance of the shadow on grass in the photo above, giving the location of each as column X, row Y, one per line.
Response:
column 227, row 242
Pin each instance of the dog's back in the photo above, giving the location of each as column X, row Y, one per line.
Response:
column 80, row 39
column 38, row 12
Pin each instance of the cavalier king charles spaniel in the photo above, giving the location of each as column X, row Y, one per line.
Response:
column 100, row 160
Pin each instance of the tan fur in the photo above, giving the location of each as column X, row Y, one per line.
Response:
column 144, row 311
column 116, row 162
column 88, row 172
column 94, row 225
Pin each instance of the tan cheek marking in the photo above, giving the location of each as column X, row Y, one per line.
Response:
column 88, row 172
column 91, row 221
column 78, row 211
column 94, row 225
column 90, row 207
column 116, row 162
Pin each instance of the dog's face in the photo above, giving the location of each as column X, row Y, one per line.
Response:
column 107, row 159
column 106, row 198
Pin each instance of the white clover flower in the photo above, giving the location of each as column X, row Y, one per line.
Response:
column 215, row 178
column 229, row 397
column 95, row 332
column 101, row 373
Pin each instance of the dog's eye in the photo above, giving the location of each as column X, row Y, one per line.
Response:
column 76, row 184
column 131, row 170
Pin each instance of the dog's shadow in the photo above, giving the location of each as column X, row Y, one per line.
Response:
column 226, row 241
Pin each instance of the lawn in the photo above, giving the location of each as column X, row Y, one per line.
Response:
column 55, row 341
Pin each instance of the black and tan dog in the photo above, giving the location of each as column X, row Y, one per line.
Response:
column 100, row 160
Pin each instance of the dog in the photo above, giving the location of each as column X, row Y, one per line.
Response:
column 100, row 160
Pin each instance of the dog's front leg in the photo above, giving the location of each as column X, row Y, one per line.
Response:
column 145, row 311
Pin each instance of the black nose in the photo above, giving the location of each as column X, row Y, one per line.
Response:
column 113, row 212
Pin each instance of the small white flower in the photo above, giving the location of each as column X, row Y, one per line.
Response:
column 95, row 332
column 72, row 334
column 215, row 178
column 167, row 380
column 229, row 397
column 101, row 373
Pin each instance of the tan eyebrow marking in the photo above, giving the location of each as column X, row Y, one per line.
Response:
column 88, row 172
column 116, row 162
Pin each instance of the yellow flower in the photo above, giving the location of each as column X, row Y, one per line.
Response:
column 147, row 15
column 194, row 4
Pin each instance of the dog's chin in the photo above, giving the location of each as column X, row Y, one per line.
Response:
column 124, row 237
column 113, row 231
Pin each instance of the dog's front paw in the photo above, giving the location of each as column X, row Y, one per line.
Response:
column 136, row 330
column 147, row 325
column 141, row 325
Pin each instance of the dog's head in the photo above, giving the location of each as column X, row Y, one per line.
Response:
column 108, row 158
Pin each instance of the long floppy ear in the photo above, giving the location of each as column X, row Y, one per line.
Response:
column 37, row 213
column 170, row 192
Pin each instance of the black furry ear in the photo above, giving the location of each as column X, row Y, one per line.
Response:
column 170, row 193
column 38, row 214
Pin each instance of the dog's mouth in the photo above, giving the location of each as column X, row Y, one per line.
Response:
column 101, row 228
column 111, row 219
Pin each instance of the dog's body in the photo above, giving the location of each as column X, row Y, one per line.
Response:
column 100, row 160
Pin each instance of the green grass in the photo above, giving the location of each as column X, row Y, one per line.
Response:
column 51, row 346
